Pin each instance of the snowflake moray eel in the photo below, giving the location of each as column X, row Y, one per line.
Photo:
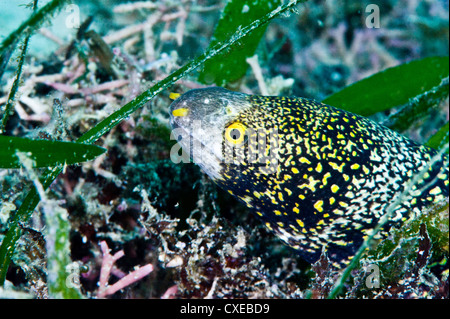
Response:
column 319, row 177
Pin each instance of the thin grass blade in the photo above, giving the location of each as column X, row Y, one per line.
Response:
column 44, row 153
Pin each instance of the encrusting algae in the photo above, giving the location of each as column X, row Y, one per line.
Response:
column 319, row 177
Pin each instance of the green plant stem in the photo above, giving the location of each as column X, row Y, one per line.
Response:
column 418, row 107
column 11, row 97
column 12, row 93
column 440, row 138
column 32, row 199
column 22, row 215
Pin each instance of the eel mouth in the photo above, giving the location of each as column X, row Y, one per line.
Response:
column 199, row 149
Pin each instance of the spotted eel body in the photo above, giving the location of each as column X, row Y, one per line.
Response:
column 319, row 177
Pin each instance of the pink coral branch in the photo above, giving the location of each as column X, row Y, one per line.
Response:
column 170, row 292
column 105, row 272
column 132, row 277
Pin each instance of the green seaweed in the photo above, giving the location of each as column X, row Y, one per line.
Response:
column 418, row 107
column 391, row 87
column 406, row 258
column 12, row 93
column 5, row 55
column 439, row 139
column 63, row 275
column 44, row 153
column 231, row 65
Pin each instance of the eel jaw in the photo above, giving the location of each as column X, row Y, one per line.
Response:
column 201, row 153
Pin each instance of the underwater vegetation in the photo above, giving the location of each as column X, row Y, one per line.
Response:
column 92, row 204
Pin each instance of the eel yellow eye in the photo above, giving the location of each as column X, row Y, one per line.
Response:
column 235, row 133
